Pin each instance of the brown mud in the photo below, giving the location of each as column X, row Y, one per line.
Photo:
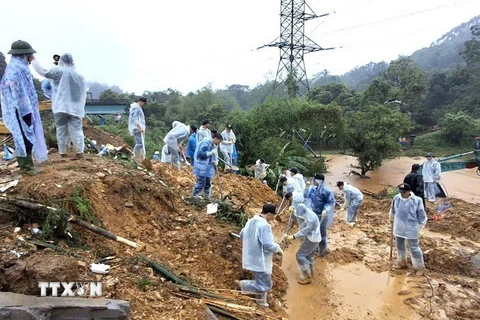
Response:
column 354, row 281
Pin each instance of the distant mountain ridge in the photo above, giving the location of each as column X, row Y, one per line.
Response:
column 442, row 54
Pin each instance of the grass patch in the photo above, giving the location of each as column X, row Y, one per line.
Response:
column 82, row 205
column 144, row 283
column 432, row 142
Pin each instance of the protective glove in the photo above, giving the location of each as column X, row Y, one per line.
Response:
column 291, row 210
column 211, row 153
column 291, row 237
column 215, row 163
column 422, row 231
column 324, row 214
column 280, row 251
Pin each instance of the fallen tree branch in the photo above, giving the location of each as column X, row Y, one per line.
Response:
column 163, row 271
column 223, row 312
column 31, row 205
column 45, row 245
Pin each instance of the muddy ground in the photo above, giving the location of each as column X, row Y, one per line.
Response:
column 147, row 208
column 345, row 289
column 153, row 209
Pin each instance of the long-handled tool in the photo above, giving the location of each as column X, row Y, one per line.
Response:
column 278, row 182
column 213, row 206
column 234, row 168
column 339, row 211
column 146, row 162
column 391, row 241
column 185, row 158
column 219, row 183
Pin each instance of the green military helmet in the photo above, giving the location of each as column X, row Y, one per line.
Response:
column 21, row 47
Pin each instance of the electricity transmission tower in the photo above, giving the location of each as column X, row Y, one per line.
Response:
column 294, row 44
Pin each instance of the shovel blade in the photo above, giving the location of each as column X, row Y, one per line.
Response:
column 212, row 208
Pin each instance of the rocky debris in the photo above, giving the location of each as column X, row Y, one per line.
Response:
column 15, row 306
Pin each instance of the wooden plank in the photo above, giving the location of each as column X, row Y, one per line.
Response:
column 45, row 105
column 3, row 129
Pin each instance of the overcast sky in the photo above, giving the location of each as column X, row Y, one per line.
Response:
column 186, row 44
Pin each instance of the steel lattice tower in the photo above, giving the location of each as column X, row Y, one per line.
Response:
column 294, row 44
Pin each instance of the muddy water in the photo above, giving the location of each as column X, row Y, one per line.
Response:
column 346, row 292
column 462, row 184
column 353, row 291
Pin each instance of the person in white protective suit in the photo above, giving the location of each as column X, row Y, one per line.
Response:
column 69, row 94
column 226, row 147
column 290, row 182
column 431, row 175
column 259, row 169
column 257, row 253
column 137, row 127
column 204, row 131
column 299, row 177
column 409, row 219
column 166, row 158
column 309, row 231
column 174, row 139
column 353, row 199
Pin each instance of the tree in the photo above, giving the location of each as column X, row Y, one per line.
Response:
column 372, row 134
column 456, row 127
column 378, row 91
column 408, row 81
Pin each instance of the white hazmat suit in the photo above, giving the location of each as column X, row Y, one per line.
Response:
column 69, row 94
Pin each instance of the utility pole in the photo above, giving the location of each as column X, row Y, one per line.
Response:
column 294, row 44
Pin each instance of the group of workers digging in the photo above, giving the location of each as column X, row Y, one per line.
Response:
column 312, row 208
column 20, row 113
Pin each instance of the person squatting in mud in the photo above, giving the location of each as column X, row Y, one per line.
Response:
column 258, row 247
column 408, row 219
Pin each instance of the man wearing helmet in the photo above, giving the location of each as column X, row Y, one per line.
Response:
column 20, row 108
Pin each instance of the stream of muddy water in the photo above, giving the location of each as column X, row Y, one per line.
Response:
column 353, row 291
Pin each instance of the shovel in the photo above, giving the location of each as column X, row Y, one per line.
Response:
column 234, row 168
column 146, row 162
column 213, row 207
column 184, row 158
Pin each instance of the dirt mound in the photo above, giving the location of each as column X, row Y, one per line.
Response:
column 149, row 209
column 101, row 136
column 461, row 220
column 450, row 262
column 242, row 191
column 23, row 275
column 345, row 255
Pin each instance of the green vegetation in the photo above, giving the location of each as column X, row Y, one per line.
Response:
column 397, row 100
column 434, row 143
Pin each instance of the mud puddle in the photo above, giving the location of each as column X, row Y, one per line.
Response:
column 349, row 291
column 458, row 183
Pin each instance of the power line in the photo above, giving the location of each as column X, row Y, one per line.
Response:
column 385, row 39
column 341, row 10
column 397, row 17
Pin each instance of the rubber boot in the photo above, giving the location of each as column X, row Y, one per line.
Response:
column 21, row 163
column 305, row 276
column 418, row 266
column 263, row 299
column 401, row 260
column 29, row 168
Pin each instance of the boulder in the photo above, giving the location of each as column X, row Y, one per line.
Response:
column 15, row 306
